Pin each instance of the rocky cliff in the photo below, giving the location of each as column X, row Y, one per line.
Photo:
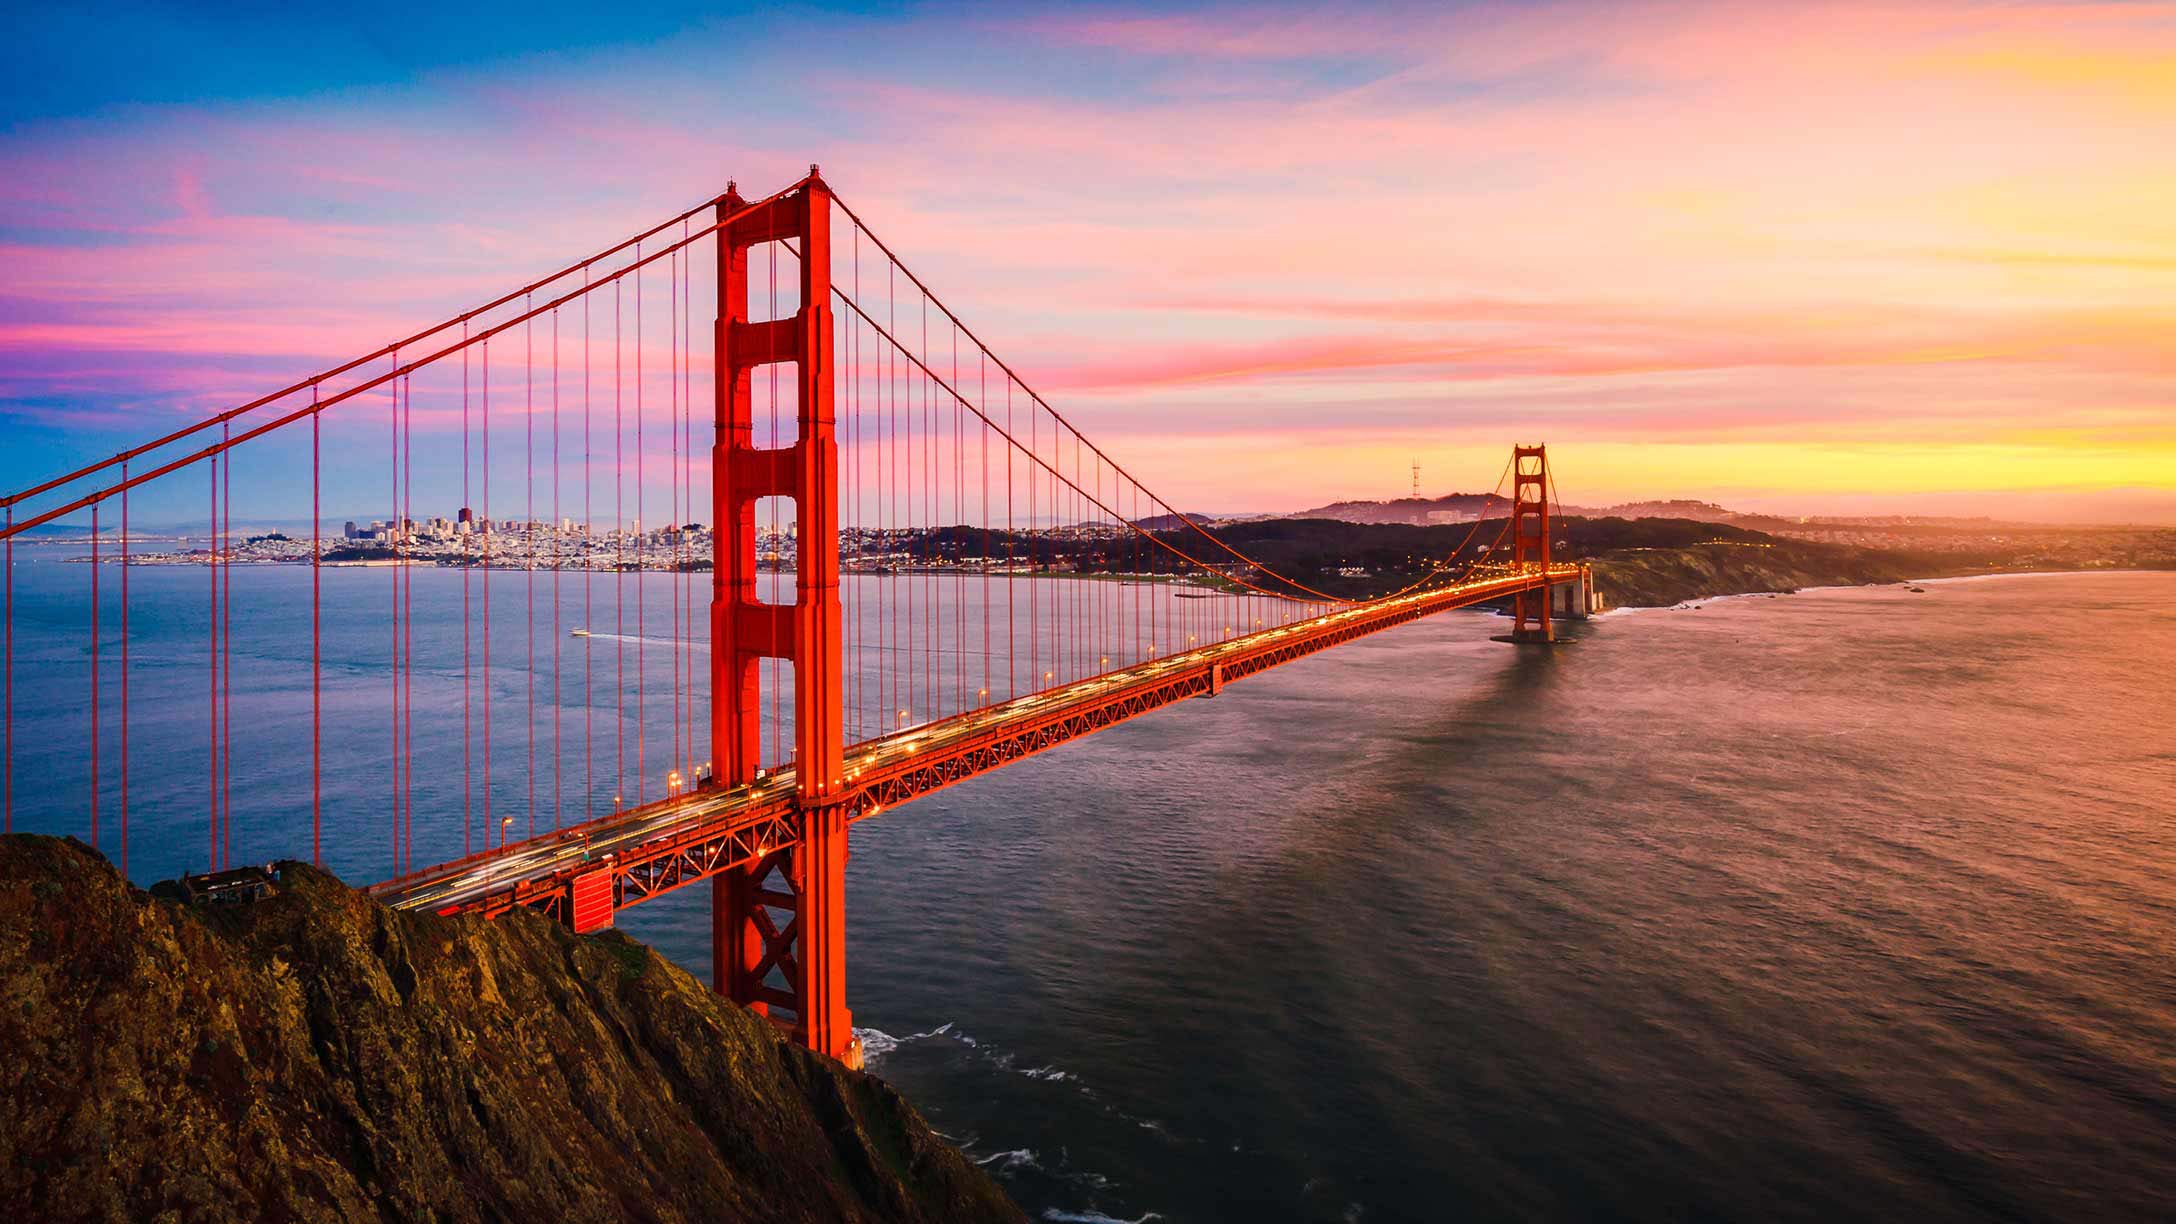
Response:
column 315, row 1056
column 1658, row 577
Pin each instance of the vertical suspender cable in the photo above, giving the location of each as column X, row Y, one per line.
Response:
column 589, row 540
column 317, row 696
column 641, row 579
column 933, row 496
column 94, row 676
column 1035, row 609
column 959, row 574
column 887, row 486
column 211, row 757
column 1012, row 577
column 125, row 566
column 558, row 562
column 392, row 542
column 772, row 665
column 687, row 476
column 619, row 560
column 682, row 510
column 857, row 655
column 528, row 537
column 408, row 625
column 932, row 614
column 7, row 688
column 672, row 584
column 467, row 547
column 490, row 813
column 982, row 396
column 226, row 658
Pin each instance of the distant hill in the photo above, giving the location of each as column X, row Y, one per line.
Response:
column 1466, row 507
column 1166, row 522
column 1412, row 511
column 1675, row 508
column 1643, row 561
column 69, row 531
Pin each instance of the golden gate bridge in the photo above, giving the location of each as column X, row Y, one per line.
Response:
column 925, row 491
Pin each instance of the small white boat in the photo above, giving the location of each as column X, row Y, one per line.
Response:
column 579, row 633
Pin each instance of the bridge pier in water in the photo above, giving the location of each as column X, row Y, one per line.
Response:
column 1573, row 600
column 783, row 915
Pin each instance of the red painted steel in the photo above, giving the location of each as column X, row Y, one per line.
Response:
column 317, row 641
column 725, row 827
column 126, row 564
column 1530, row 540
column 7, row 685
column 94, row 777
column 809, row 953
column 590, row 901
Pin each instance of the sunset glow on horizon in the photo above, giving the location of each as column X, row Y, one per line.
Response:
column 1912, row 257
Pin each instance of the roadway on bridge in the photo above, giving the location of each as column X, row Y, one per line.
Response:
column 464, row 883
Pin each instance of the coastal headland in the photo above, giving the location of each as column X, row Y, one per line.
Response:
column 313, row 1055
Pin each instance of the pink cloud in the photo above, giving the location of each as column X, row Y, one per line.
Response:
column 1700, row 205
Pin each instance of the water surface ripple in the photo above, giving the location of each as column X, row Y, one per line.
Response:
column 1850, row 903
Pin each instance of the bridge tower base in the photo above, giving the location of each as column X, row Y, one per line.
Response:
column 778, row 926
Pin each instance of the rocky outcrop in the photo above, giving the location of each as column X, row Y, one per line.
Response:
column 1658, row 577
column 315, row 1056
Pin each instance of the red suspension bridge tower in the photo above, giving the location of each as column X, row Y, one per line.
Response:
column 785, row 913
column 1530, row 541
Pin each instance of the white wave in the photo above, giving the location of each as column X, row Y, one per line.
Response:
column 1018, row 1158
column 876, row 1043
column 1708, row 599
column 1095, row 1217
column 2031, row 574
column 1051, row 1074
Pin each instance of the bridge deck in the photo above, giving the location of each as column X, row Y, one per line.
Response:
column 662, row 846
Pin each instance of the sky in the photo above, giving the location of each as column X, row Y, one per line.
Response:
column 1909, row 257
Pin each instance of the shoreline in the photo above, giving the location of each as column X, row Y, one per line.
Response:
column 1950, row 578
column 1854, row 586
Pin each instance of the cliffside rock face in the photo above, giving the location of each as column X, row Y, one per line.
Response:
column 315, row 1056
column 1658, row 577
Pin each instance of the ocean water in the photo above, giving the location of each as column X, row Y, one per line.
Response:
column 1853, row 904
column 514, row 725
column 1849, row 904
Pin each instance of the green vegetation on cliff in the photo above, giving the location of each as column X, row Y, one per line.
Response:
column 316, row 1056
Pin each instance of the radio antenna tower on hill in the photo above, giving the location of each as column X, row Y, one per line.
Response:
column 1416, row 480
